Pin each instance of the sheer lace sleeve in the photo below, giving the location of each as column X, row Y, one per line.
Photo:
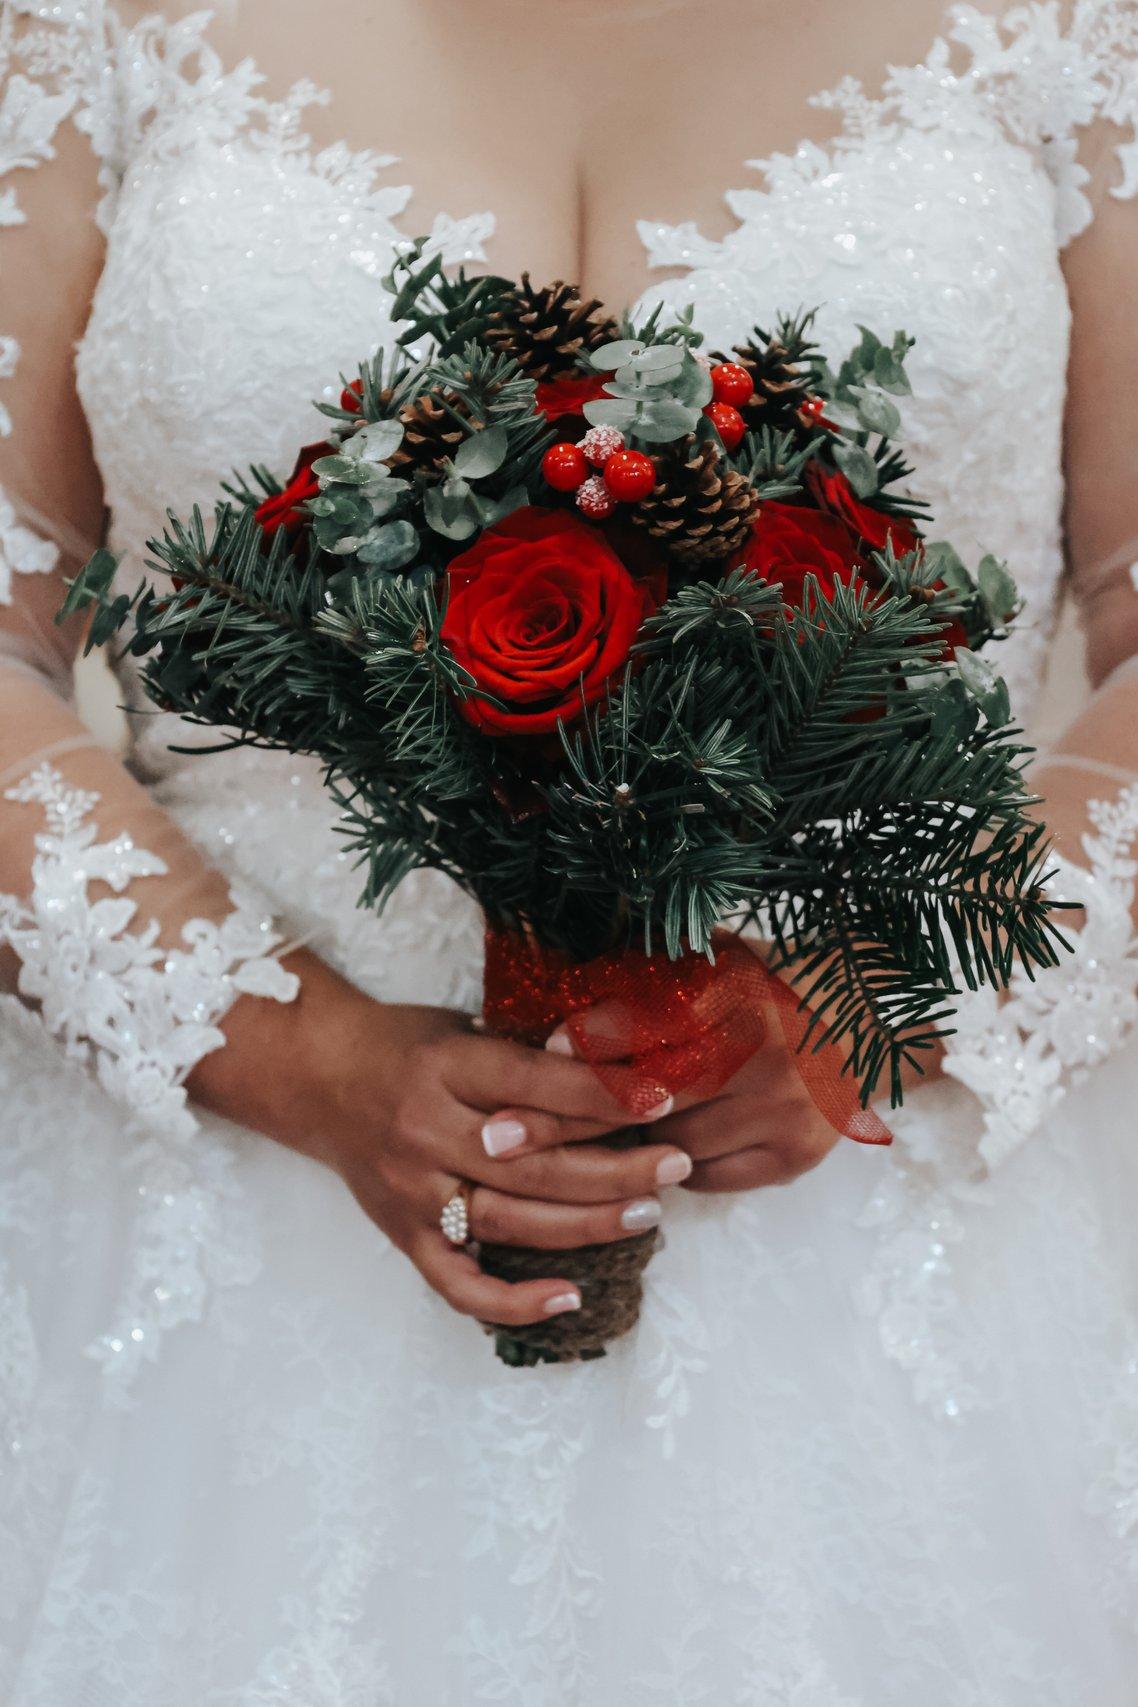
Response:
column 126, row 945
column 1070, row 82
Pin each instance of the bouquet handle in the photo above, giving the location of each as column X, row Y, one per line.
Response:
column 649, row 1027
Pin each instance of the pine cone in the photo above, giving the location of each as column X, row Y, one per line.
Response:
column 701, row 510
column 782, row 385
column 545, row 330
column 430, row 434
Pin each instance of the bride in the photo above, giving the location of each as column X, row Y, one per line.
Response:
column 875, row 1440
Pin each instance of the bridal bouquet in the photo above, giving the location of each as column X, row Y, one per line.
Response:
column 636, row 645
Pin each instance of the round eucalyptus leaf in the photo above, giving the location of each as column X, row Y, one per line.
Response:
column 375, row 442
column 341, row 471
column 615, row 354
column 390, row 547
column 659, row 359
column 482, row 454
column 610, row 412
column 858, row 467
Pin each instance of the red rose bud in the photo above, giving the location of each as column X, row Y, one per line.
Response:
column 833, row 492
column 630, row 475
column 542, row 613
column 283, row 509
column 557, row 397
column 728, row 423
column 564, row 467
column 788, row 543
column 732, row 384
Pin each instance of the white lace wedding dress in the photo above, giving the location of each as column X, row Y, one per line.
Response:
column 875, row 1442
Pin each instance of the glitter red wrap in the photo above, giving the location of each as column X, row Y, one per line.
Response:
column 652, row 1027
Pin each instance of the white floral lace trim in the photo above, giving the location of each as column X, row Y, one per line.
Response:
column 22, row 552
column 141, row 1015
column 1027, row 75
column 1020, row 1056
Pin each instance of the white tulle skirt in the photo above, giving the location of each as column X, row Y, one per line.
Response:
column 874, row 1443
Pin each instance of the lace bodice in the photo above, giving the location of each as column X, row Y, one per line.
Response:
column 942, row 207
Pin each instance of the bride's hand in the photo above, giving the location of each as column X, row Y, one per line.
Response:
column 762, row 1128
column 406, row 1102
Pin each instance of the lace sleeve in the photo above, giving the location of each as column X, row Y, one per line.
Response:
column 128, row 948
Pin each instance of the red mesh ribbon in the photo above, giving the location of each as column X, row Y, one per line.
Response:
column 650, row 1026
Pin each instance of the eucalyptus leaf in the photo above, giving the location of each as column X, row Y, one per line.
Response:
column 375, row 442
column 877, row 414
column 453, row 517
column 616, row 353
column 659, row 359
column 987, row 688
column 695, row 386
column 341, row 471
column 482, row 454
column 890, row 375
column 610, row 412
column 390, row 547
column 947, row 566
column 660, row 423
column 491, row 510
column 997, row 589
column 858, row 467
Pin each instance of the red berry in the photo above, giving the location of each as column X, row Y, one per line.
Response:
column 728, row 423
column 351, row 395
column 564, row 467
column 630, row 475
column 732, row 384
column 813, row 408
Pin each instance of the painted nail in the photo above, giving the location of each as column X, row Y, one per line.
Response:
column 642, row 1216
column 502, row 1136
column 673, row 1169
column 560, row 1043
column 661, row 1111
column 563, row 1303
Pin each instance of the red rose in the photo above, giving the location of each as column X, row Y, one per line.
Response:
column 283, row 509
column 542, row 613
column 557, row 397
column 788, row 543
column 872, row 527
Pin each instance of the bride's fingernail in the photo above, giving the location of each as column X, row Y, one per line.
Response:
column 502, row 1136
column 661, row 1110
column 674, row 1169
column 563, row 1303
column 559, row 1043
column 642, row 1216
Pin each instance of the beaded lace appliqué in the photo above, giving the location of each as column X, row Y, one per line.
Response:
column 1022, row 1055
column 142, row 1015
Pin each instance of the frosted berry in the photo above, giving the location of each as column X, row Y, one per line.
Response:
column 630, row 475
column 732, row 384
column 728, row 423
column 564, row 467
column 599, row 443
column 595, row 500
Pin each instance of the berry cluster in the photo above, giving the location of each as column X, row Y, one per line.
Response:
column 627, row 476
